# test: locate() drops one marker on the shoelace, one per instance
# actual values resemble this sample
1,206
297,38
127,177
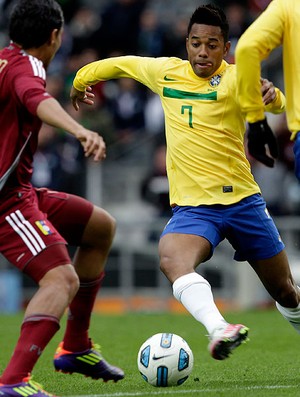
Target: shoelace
96,347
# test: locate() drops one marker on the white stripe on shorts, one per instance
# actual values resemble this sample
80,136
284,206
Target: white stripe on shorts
26,231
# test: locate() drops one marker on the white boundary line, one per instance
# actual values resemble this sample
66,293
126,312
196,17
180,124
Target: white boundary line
193,391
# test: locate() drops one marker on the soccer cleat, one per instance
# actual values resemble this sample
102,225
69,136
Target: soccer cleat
224,340
89,363
26,388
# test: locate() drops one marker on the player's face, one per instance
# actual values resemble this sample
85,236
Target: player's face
206,49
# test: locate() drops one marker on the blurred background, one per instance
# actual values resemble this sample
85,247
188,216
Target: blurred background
131,184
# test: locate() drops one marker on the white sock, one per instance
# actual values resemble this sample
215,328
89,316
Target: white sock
292,315
194,292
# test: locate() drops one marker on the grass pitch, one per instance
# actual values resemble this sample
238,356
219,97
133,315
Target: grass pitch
268,365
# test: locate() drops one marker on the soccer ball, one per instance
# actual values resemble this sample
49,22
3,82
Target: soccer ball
165,359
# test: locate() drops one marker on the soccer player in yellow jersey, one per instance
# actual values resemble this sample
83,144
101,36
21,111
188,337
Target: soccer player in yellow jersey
212,191
278,25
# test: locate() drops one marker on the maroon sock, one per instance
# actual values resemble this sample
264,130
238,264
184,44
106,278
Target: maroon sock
76,338
36,332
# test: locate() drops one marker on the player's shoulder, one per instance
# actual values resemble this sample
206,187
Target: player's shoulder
162,65
172,64
229,70
176,61
22,63
168,61
229,66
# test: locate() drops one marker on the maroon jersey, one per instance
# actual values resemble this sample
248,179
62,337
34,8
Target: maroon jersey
22,88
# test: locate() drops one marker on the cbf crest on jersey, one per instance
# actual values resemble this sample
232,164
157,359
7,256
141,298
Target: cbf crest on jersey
215,80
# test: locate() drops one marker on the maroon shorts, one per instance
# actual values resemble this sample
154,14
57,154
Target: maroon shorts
36,225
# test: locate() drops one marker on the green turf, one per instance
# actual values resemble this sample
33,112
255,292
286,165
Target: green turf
268,365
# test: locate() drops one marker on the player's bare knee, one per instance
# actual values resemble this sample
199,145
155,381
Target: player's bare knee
112,225
70,284
100,230
165,264
62,279
73,284
171,269
107,223
107,230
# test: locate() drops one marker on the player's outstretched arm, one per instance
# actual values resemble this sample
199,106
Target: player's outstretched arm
52,113
85,96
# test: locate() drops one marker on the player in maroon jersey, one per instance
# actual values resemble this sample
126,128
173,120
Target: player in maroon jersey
36,224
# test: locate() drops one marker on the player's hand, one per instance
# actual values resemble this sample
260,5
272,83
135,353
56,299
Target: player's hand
297,156
268,91
92,143
85,96
260,135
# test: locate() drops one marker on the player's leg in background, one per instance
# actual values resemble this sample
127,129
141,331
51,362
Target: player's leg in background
275,274
180,254
89,263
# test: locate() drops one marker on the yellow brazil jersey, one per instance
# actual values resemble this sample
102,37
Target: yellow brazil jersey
206,162
278,25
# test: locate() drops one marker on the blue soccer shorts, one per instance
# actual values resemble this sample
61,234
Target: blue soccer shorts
247,225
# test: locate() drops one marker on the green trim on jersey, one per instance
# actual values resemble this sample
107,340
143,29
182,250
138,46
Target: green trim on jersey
178,94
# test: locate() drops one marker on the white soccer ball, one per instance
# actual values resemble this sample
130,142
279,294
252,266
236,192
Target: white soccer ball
165,359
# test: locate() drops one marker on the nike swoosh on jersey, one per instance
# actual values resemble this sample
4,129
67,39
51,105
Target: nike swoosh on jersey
166,78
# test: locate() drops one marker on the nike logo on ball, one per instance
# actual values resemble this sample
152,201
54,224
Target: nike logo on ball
160,357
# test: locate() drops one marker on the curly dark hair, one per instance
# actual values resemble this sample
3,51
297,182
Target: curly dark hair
32,21
210,15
